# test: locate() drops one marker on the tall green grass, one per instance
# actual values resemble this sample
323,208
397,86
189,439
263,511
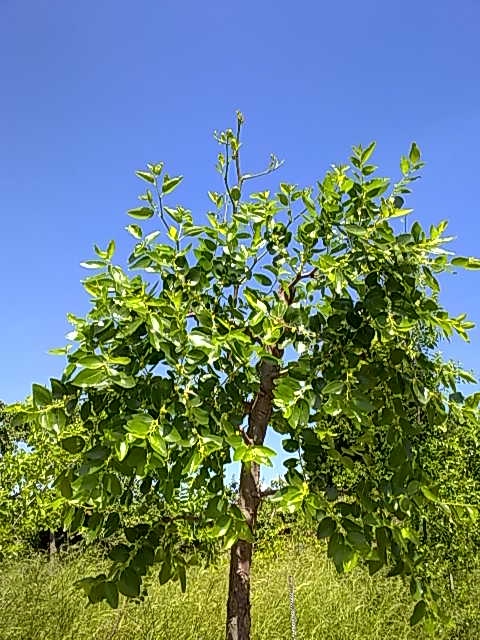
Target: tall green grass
39,602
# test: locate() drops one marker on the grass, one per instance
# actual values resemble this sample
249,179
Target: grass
38,602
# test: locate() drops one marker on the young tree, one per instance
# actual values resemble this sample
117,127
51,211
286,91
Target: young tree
298,312
30,461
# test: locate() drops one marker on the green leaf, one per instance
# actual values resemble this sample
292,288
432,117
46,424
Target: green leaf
355,230
466,263
362,402
404,165
421,393
413,487
414,154
169,184
60,351
428,493
110,249
182,576
358,540
221,526
134,230
41,396
141,213
158,445
91,362
262,279
340,553
457,397
111,594
334,387
144,175
173,233
418,613
254,302
140,425
73,444
97,453
166,573
201,341
397,356
123,380
326,528
119,553
90,378
93,264
397,456
157,168
129,583
121,449
368,152
112,484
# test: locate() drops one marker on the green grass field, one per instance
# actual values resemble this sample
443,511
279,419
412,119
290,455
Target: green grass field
39,602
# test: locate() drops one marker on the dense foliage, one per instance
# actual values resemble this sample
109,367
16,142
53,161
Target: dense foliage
31,459
305,311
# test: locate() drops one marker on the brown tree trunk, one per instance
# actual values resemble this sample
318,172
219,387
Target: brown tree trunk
249,497
238,604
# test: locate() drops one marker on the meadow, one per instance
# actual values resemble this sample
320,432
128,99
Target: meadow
39,602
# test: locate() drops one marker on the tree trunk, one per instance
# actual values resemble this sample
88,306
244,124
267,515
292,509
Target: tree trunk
249,497
238,604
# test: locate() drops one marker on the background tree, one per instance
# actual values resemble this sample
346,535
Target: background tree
30,461
297,311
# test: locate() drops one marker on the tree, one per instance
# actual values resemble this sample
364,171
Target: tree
298,312
30,461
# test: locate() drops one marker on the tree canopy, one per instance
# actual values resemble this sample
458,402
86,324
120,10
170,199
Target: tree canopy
311,311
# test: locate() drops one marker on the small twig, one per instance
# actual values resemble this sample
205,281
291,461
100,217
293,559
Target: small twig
256,260
160,202
266,172
225,178
237,153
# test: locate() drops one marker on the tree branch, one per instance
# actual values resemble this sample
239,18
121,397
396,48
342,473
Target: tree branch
240,121
225,178
270,169
268,492
289,295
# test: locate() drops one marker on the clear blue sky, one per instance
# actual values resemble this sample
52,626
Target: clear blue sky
93,90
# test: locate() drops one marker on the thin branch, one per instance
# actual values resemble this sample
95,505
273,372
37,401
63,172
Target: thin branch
162,213
237,153
225,178
266,172
289,295
295,218
268,492
256,260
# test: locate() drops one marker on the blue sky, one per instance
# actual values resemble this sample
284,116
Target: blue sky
94,90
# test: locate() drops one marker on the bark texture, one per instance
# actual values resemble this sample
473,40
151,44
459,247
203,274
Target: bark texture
238,605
